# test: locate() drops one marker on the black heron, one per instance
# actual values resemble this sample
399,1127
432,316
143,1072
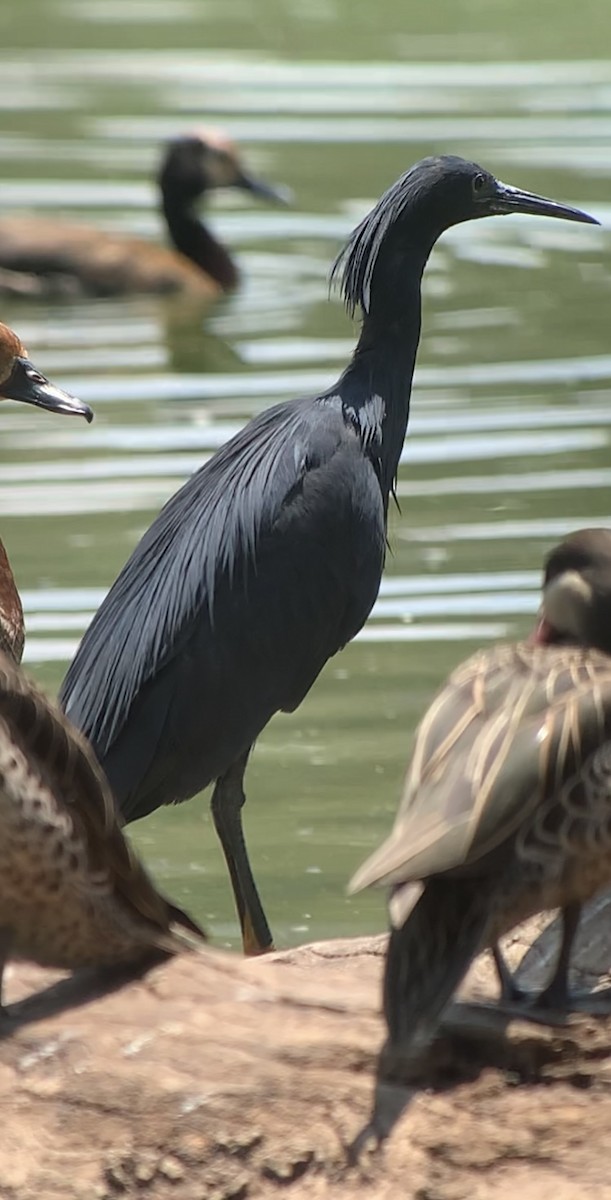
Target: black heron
268,560
506,809
40,256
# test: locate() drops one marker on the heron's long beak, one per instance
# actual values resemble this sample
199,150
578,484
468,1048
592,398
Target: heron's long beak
265,191
27,384
510,199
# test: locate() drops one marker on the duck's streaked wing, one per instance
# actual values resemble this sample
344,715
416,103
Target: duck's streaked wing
71,770
511,725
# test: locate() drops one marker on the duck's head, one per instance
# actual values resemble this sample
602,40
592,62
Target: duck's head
205,159
20,380
576,602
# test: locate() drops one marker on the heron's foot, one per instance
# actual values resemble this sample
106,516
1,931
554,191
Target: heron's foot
255,951
254,943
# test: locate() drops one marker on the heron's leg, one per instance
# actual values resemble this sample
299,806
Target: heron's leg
556,995
227,800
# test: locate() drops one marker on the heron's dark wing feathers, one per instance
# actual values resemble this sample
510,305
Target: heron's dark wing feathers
251,525
512,725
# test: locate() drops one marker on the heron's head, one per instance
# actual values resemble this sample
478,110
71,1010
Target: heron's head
405,223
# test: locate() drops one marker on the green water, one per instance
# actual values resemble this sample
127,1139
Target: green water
509,439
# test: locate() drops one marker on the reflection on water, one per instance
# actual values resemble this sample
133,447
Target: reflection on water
512,397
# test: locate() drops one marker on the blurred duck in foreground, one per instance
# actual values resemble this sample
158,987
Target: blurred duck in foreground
72,892
42,256
507,804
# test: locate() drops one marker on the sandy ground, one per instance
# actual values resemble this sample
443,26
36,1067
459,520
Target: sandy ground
211,1078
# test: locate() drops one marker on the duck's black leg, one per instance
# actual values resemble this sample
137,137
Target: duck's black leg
556,995
510,992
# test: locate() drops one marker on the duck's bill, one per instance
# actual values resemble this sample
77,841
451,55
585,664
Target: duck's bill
510,199
265,191
26,384
543,633
546,634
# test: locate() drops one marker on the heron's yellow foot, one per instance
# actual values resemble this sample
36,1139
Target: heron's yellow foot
250,942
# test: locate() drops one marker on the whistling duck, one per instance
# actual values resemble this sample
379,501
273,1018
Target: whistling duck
21,380
507,804
72,891
42,256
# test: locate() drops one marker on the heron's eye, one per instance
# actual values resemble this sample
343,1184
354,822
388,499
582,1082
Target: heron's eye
479,183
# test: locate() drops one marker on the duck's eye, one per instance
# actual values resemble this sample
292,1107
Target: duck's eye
34,375
479,183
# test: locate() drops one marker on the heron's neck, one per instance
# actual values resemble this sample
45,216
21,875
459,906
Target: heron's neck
379,378
193,239
11,612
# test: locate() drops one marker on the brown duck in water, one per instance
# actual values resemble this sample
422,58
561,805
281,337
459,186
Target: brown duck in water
507,804
45,256
72,892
